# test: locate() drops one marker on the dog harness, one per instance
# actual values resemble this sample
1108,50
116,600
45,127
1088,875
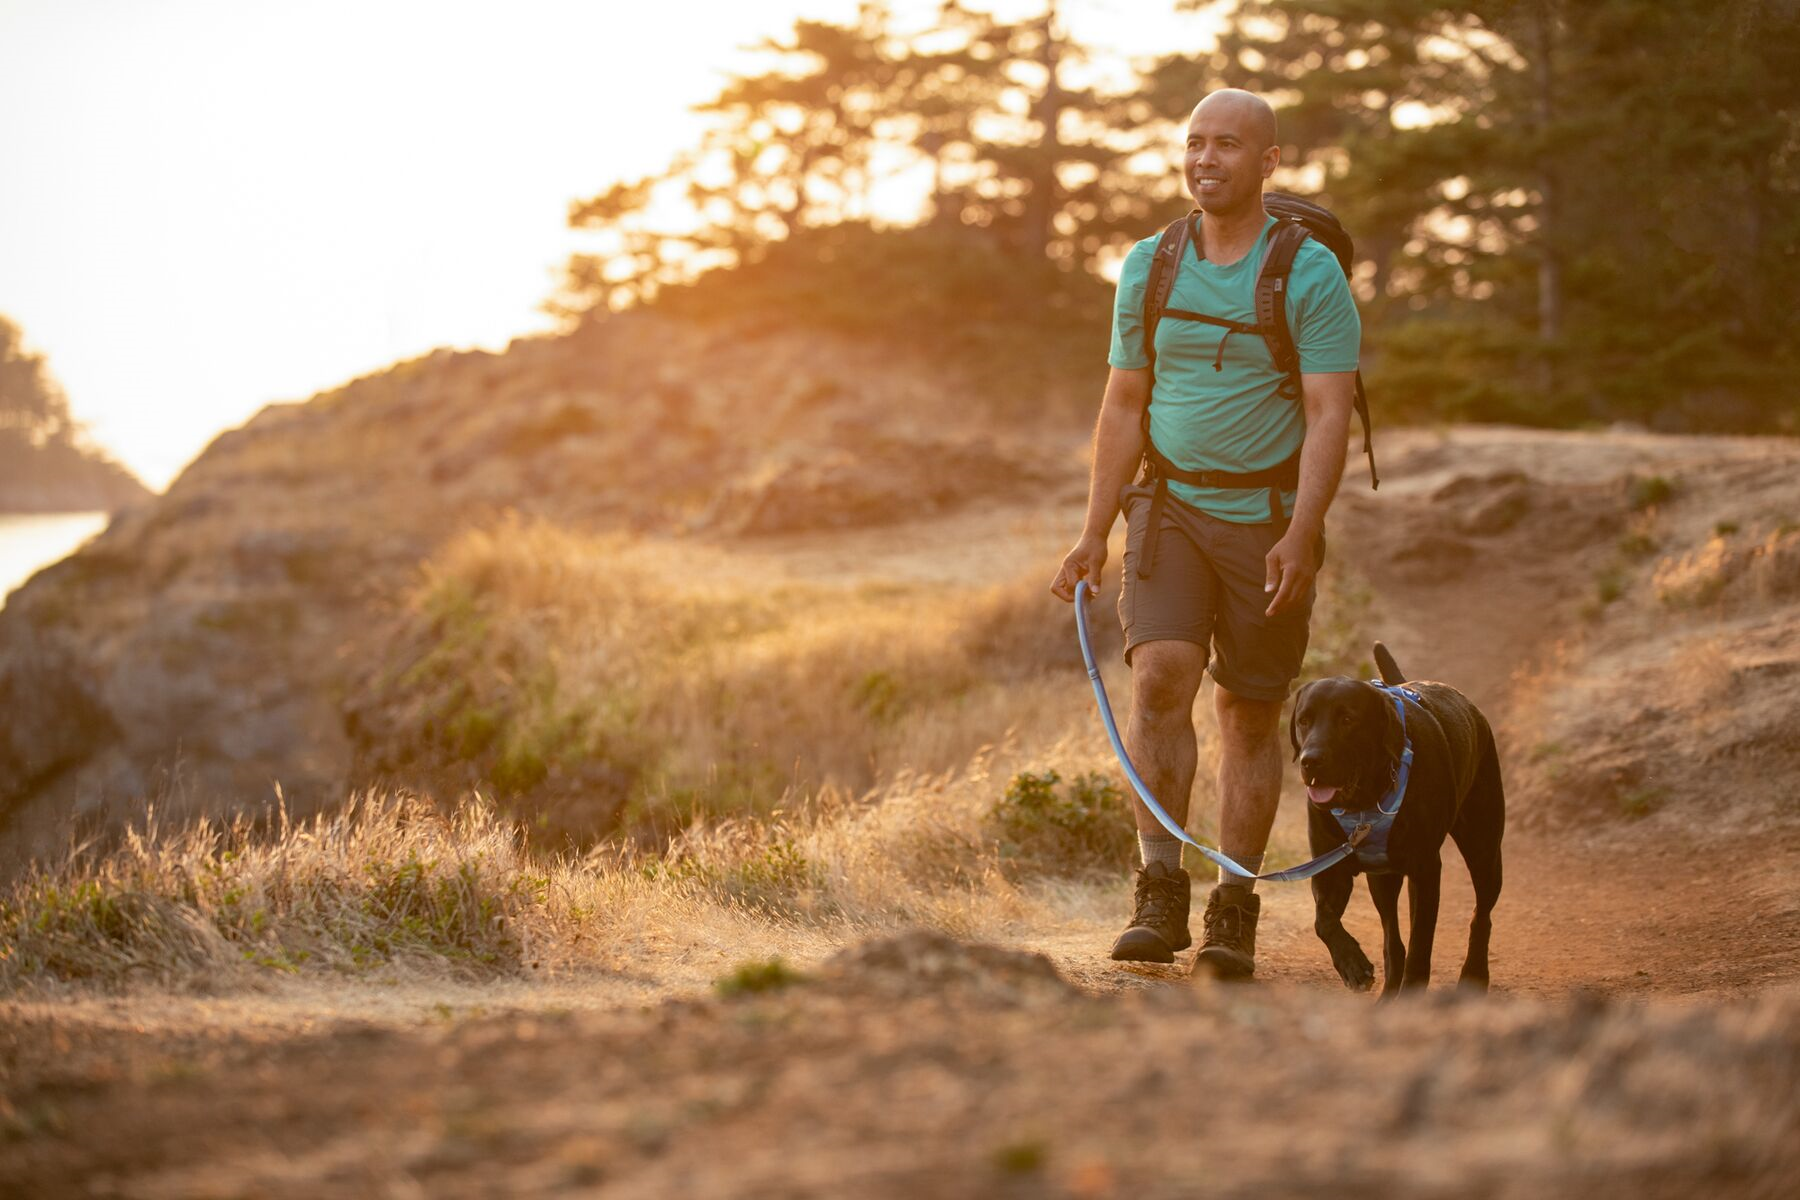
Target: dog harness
1383,814
1366,829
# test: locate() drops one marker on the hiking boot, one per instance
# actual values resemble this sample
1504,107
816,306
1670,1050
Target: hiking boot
1159,922
1228,949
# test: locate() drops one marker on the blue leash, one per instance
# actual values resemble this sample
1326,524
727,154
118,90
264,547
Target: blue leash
1293,874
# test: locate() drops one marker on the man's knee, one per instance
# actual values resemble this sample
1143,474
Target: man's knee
1244,722
1165,676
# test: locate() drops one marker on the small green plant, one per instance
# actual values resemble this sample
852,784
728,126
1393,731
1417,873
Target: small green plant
878,694
1081,826
1725,528
1637,545
472,730
771,879
762,975
1022,1157
277,960
1639,802
1648,491
1609,584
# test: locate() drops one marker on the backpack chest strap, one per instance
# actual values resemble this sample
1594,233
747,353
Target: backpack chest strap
1230,327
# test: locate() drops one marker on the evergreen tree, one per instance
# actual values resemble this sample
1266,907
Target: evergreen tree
33,407
1037,167
1570,211
1564,211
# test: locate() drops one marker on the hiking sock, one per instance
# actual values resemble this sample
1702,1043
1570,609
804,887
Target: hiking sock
1250,862
1160,848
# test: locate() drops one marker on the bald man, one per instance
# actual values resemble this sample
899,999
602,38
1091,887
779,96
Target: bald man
1232,584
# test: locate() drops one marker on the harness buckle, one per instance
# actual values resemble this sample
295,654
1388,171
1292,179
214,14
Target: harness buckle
1360,834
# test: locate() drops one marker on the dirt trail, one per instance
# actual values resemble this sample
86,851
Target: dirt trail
1480,551
1673,1068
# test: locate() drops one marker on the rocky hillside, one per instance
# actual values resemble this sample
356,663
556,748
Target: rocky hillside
203,652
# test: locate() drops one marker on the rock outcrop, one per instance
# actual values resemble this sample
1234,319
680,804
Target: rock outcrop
197,654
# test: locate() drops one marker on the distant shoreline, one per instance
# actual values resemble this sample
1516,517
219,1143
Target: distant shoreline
29,542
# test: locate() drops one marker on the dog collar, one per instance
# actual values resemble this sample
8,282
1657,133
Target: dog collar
1366,829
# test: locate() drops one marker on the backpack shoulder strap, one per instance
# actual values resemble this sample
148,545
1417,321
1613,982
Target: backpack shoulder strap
1271,316
1271,301
1163,265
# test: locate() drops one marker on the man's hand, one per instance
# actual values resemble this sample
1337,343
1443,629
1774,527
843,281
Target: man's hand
1289,568
1083,562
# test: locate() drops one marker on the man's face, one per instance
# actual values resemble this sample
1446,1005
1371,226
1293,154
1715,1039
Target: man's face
1225,162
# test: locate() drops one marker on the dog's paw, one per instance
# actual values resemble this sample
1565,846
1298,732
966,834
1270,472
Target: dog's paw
1475,984
1353,966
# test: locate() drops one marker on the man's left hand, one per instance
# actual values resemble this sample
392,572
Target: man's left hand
1290,567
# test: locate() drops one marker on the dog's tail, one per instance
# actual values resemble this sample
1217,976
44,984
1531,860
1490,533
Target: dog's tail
1390,670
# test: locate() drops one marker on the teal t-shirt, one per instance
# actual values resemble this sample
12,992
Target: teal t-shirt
1234,418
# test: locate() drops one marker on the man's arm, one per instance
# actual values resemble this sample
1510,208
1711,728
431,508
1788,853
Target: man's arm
1291,564
1118,446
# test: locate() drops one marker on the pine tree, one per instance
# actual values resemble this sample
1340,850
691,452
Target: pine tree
33,406
1571,211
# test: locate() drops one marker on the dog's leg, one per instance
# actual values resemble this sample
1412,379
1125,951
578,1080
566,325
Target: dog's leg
1422,904
1386,891
1331,896
1477,834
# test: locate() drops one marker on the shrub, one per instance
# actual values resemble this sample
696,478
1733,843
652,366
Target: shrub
768,975
1084,826
1648,491
1609,584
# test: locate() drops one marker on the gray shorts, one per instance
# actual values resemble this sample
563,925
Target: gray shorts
1207,588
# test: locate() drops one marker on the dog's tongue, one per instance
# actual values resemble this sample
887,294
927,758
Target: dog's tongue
1321,795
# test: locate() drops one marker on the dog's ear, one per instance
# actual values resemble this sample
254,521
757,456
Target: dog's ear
1294,715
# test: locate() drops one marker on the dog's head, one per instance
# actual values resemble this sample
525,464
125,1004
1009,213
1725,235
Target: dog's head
1347,739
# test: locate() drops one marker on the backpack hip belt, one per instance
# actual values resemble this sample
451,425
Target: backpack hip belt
1158,471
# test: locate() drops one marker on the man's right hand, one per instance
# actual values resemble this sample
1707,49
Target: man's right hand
1083,562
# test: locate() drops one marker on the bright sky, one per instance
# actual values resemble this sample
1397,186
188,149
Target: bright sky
209,205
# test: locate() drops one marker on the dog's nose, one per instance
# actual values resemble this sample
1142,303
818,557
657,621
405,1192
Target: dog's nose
1309,762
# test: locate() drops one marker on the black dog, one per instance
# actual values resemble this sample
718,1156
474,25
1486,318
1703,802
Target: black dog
1349,739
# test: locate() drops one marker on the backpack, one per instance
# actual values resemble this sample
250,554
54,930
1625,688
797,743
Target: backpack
1295,221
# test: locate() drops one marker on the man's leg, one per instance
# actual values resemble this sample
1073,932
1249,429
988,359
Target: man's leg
1165,678
1257,660
1249,778
1249,789
1159,737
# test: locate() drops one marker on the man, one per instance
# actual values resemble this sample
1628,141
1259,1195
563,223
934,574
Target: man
1229,571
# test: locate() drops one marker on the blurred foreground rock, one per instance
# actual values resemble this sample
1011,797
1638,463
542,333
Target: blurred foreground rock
851,1085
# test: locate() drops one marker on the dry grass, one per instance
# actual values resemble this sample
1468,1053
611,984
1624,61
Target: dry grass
589,687
384,880
804,763
534,654
1728,567
393,883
